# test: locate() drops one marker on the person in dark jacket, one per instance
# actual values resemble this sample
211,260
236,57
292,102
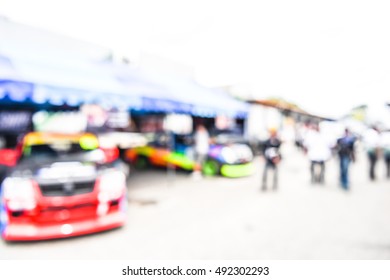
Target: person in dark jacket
346,152
272,156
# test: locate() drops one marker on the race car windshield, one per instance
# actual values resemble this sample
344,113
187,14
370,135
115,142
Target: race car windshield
53,151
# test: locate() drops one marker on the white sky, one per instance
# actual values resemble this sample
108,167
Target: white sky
326,56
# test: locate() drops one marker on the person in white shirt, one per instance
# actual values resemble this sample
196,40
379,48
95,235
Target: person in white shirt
318,150
202,141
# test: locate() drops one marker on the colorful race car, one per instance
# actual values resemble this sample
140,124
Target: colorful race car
229,160
59,186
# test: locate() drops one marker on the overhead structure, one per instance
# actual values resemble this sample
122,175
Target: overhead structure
53,81
43,68
288,107
59,82
167,92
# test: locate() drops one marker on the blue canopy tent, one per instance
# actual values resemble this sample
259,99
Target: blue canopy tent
42,80
162,91
155,98
205,102
59,82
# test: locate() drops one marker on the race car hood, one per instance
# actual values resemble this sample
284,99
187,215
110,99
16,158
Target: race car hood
56,171
74,167
60,178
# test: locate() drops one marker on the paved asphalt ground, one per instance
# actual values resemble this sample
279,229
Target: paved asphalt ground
221,218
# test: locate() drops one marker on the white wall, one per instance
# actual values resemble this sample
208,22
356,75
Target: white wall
260,120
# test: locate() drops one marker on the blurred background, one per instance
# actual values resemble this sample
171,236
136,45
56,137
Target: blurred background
245,129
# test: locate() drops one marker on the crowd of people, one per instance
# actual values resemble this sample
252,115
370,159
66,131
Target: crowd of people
320,148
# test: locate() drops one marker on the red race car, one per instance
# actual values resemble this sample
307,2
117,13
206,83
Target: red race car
58,186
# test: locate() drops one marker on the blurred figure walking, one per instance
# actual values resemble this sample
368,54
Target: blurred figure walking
272,156
346,152
371,141
385,144
318,150
300,135
202,141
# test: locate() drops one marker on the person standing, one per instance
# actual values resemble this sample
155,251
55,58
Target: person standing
371,142
272,156
385,144
346,152
318,150
202,140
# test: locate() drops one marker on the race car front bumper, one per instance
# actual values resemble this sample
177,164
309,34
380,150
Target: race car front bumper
30,232
237,170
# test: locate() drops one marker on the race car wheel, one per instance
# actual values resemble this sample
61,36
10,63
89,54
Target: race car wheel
211,168
141,162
